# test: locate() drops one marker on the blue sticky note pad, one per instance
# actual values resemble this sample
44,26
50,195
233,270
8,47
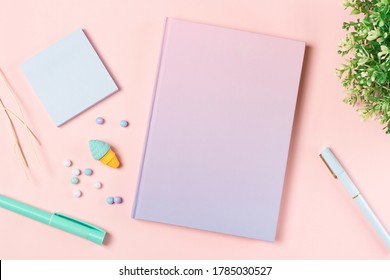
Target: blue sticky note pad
69,77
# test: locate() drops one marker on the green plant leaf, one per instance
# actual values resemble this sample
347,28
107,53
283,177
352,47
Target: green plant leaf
366,49
355,12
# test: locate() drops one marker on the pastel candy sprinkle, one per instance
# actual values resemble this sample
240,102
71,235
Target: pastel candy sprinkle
124,123
88,171
74,180
97,185
118,200
76,172
67,163
99,120
77,193
110,200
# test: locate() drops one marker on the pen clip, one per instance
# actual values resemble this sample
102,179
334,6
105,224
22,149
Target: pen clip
327,165
78,222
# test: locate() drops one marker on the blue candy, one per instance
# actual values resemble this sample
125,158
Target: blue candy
88,171
110,200
124,123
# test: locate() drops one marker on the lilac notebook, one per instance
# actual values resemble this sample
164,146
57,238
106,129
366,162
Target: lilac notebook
219,134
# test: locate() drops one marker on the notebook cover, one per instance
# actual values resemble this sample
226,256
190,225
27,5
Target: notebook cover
68,77
219,133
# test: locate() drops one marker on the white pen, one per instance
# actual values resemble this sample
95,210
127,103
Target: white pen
339,173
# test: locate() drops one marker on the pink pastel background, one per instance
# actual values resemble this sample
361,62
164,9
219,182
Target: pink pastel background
317,219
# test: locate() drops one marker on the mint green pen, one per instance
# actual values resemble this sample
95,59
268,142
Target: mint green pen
56,220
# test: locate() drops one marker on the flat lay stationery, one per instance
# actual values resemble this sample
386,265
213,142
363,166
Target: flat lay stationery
192,131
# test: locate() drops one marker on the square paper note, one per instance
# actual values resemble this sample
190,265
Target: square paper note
69,77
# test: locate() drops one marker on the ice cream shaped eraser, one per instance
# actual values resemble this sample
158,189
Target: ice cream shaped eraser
102,151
